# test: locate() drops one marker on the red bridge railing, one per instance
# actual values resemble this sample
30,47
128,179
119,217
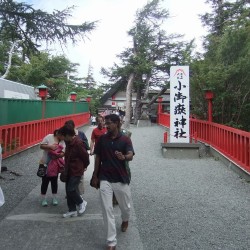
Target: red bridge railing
20,136
232,143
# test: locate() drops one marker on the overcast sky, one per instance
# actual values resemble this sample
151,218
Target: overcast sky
115,19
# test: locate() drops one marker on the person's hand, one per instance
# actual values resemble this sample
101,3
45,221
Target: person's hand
84,169
60,155
53,147
91,152
120,155
94,182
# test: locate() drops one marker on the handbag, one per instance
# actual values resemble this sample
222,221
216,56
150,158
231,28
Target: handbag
42,170
64,176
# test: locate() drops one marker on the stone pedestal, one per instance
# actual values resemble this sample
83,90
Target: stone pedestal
181,150
143,123
144,120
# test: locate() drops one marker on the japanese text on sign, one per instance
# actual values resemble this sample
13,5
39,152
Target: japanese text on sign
179,104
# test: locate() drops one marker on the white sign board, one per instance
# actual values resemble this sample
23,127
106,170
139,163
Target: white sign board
179,104
15,95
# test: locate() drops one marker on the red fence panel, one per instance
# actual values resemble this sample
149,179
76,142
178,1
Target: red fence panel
20,136
231,142
164,119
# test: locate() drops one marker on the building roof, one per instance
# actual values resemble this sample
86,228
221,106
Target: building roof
113,90
10,89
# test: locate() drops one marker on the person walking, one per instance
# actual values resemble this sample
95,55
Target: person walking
76,162
96,133
52,144
93,120
84,139
112,151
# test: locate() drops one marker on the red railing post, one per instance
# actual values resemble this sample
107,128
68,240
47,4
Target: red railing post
209,95
159,109
195,137
210,116
165,139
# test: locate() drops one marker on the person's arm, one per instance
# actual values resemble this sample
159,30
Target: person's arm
48,147
92,144
45,144
128,156
97,165
125,157
84,156
95,182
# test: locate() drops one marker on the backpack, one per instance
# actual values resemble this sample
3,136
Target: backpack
84,139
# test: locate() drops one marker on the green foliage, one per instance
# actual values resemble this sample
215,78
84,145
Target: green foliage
49,70
88,81
96,95
225,66
21,22
26,28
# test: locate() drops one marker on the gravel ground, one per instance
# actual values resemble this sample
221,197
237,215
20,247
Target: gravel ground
179,204
20,178
186,204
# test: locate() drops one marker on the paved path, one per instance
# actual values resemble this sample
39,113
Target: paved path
177,204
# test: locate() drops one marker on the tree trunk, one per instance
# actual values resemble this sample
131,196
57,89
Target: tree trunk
128,101
138,105
9,61
147,87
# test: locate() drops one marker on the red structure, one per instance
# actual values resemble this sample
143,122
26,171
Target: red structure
209,95
88,98
232,143
73,96
159,107
20,136
43,92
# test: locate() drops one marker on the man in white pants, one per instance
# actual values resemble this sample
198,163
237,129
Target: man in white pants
112,151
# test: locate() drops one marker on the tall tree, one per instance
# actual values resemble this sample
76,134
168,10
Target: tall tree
224,67
89,81
26,28
152,53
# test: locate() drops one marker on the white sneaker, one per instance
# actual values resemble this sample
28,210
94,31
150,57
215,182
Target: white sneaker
70,214
82,207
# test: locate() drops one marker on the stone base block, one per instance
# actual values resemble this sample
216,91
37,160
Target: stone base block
143,123
181,150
